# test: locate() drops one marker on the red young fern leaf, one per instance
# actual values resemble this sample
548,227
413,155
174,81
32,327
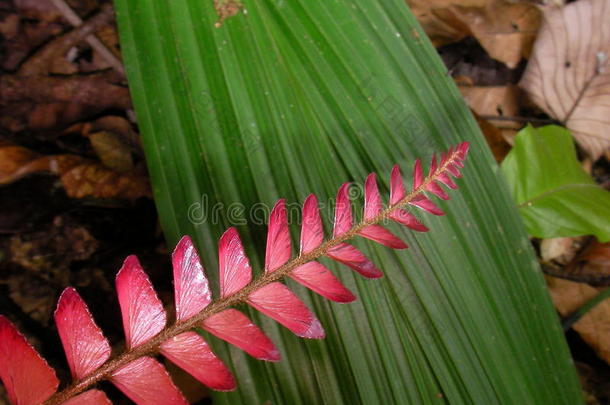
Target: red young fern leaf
91,397
234,266
278,238
83,341
29,379
191,290
237,329
146,382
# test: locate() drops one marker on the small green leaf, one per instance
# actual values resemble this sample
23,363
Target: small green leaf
555,196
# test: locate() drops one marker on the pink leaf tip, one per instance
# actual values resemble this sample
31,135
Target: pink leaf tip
191,288
83,341
191,353
312,232
397,188
278,238
372,199
234,266
26,375
142,311
277,302
237,329
343,211
146,382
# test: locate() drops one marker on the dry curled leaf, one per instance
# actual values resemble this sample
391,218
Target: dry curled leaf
594,326
42,102
592,263
505,29
560,250
80,177
568,75
437,20
498,145
495,101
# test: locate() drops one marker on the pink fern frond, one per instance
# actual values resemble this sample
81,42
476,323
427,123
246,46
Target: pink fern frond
234,266
278,238
343,212
446,180
407,219
142,311
312,232
454,170
355,259
373,206
321,280
27,377
423,202
381,235
236,328
437,190
91,397
146,382
397,187
279,303
418,175
191,288
191,353
84,343
372,199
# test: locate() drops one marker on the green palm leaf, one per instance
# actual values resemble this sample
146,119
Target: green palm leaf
291,97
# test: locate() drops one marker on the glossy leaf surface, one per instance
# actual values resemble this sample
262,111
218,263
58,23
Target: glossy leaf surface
191,288
84,343
146,382
20,364
142,311
190,352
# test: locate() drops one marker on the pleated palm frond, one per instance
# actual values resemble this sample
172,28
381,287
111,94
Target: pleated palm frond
287,97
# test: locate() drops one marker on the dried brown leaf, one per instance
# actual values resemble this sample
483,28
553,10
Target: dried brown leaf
498,145
594,326
505,29
42,102
80,177
113,153
568,75
495,101
593,262
91,179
